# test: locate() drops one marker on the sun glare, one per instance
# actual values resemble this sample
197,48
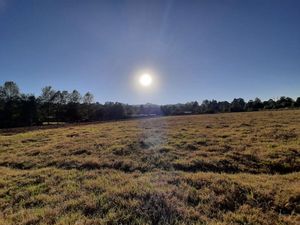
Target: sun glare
145,80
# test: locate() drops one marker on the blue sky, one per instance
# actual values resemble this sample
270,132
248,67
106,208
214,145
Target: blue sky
196,49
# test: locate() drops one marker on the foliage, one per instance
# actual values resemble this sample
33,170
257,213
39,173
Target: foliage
51,106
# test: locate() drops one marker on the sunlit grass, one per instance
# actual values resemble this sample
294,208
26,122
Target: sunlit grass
238,168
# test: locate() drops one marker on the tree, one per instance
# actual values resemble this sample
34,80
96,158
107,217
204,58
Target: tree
195,107
87,100
10,90
18,109
257,104
29,111
204,107
213,106
73,112
64,97
2,94
114,111
237,105
270,104
48,94
284,102
254,105
224,106
75,97
297,103
47,99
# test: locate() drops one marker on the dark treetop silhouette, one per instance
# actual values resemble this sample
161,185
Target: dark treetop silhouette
18,109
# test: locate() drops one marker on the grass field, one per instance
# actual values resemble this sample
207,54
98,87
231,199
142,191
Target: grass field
237,168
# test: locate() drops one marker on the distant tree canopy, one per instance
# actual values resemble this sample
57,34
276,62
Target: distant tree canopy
19,109
237,105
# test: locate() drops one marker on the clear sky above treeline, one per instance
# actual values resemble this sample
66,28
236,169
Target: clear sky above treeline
202,49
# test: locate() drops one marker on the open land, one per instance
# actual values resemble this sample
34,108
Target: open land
234,168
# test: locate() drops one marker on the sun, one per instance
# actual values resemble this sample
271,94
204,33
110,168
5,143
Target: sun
145,80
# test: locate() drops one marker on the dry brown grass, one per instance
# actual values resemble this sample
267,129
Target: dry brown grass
238,168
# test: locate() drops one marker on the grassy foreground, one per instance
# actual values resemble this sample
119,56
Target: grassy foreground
238,168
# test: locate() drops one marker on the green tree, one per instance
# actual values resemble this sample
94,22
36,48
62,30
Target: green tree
47,99
297,103
9,90
237,105
87,100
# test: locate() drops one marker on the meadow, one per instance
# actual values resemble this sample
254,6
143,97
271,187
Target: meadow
232,168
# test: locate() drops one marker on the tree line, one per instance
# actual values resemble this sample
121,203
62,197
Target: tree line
237,105
51,106
18,109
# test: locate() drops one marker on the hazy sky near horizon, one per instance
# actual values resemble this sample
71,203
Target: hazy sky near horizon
195,49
